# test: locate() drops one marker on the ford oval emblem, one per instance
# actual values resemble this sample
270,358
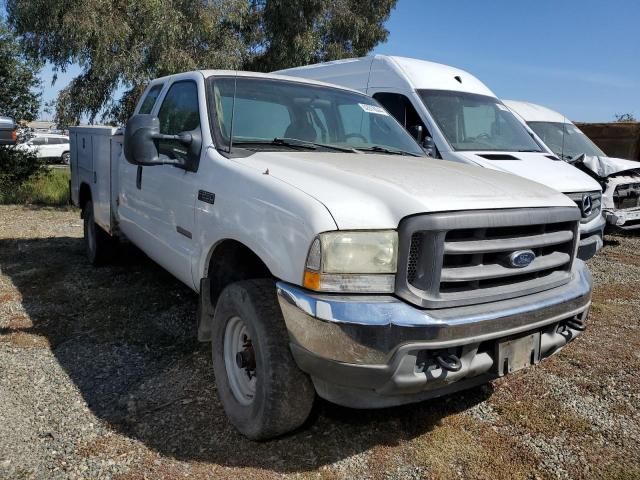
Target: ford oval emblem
521,258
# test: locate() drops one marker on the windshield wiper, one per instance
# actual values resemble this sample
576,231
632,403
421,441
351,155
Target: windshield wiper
294,142
391,151
529,150
279,142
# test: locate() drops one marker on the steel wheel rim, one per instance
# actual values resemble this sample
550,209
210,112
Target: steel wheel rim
242,381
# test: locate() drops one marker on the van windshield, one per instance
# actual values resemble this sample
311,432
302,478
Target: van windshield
477,122
565,139
270,114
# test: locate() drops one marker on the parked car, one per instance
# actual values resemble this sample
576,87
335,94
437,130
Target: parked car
458,118
620,179
7,131
50,146
330,254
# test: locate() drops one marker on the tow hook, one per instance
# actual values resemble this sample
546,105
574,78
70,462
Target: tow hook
576,324
449,362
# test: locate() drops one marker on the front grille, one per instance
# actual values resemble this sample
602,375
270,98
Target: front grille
596,204
461,258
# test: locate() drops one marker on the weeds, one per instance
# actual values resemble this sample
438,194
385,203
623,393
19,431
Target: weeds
51,188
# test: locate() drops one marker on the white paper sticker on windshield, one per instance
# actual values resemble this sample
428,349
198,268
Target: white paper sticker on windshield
373,109
502,107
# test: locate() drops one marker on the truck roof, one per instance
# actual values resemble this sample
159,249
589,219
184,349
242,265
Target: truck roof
532,112
415,73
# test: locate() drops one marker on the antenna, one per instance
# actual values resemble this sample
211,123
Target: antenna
235,88
233,110
564,132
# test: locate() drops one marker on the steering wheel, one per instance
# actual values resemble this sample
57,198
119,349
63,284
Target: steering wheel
356,135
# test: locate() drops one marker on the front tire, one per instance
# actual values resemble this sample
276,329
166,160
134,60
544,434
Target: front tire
262,390
98,244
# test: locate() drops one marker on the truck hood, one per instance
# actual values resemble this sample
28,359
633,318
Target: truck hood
371,191
536,166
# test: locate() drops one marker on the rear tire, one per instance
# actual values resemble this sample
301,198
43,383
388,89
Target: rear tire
65,159
270,395
99,245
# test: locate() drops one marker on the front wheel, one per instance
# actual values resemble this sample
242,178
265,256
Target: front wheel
98,244
262,390
65,159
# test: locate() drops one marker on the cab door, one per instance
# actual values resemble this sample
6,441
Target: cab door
167,192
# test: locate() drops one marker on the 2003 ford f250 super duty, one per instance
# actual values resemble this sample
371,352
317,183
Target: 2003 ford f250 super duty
331,255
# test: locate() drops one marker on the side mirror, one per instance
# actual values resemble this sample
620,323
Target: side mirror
8,134
429,146
141,144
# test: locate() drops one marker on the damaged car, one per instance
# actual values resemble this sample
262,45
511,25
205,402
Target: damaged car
619,178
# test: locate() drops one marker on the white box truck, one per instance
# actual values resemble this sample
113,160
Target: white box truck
619,178
458,118
332,257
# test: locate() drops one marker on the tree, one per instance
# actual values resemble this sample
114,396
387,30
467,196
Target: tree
19,82
124,44
624,117
19,99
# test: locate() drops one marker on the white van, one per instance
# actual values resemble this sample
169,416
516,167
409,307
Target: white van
620,179
456,117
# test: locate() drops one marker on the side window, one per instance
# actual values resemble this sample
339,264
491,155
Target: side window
150,99
38,141
179,113
402,109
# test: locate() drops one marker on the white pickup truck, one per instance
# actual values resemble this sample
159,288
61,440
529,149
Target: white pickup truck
331,256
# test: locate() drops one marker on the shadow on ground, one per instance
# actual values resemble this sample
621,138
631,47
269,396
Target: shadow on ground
125,334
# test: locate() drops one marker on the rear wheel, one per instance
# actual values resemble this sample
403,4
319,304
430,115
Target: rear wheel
65,158
98,244
261,388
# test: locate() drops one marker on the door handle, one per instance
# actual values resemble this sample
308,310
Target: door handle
139,178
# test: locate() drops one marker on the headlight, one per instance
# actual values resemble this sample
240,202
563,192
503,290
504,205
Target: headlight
361,261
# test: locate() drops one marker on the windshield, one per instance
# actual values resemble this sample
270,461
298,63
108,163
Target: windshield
273,114
477,122
565,139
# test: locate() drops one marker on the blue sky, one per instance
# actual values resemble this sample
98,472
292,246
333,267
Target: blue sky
580,57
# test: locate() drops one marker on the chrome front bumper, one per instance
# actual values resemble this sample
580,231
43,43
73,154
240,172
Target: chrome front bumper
366,351
591,237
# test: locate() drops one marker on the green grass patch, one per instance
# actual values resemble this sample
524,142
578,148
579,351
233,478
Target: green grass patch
51,189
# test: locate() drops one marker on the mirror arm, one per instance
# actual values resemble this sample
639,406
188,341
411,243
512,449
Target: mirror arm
184,138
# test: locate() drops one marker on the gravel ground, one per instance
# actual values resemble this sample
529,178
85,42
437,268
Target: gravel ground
101,377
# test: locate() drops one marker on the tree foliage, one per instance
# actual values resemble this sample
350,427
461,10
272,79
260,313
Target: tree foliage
19,99
19,82
123,44
624,117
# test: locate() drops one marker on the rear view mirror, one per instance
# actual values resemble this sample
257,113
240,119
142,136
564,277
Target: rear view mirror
141,143
8,134
140,146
